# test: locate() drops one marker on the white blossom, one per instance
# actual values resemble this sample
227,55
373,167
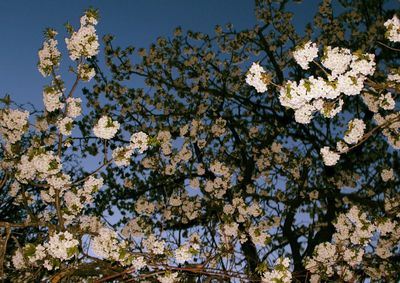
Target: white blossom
355,131
330,157
281,272
254,78
13,124
65,126
84,42
393,29
74,107
106,128
336,59
49,56
62,245
139,141
305,54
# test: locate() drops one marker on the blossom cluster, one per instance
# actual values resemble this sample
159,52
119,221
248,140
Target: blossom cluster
49,55
60,246
305,54
13,124
329,157
74,108
52,95
280,273
355,131
107,245
347,75
37,164
393,29
186,252
342,257
392,131
106,128
84,42
255,78
122,155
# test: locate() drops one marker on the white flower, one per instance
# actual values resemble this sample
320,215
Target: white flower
183,254
350,84
336,59
280,273
18,260
84,42
106,244
154,246
49,56
168,277
230,229
355,131
363,64
138,263
330,157
74,107
51,98
387,102
13,124
305,54
85,72
254,78
303,115
106,128
62,245
140,141
393,29
65,126
122,155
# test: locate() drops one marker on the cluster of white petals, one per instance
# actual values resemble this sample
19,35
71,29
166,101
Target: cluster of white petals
85,72
336,60
139,141
392,131
329,157
51,98
386,101
355,131
154,246
65,126
74,108
393,29
254,78
107,245
49,56
37,164
62,245
18,259
13,124
305,54
281,272
84,42
106,128
122,155
348,73
168,277
185,252
354,232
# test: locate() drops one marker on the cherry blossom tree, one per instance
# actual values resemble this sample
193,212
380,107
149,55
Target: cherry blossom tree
262,155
